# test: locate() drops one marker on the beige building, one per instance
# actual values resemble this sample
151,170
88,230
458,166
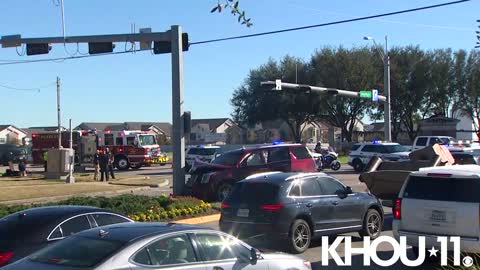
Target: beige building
11,135
215,131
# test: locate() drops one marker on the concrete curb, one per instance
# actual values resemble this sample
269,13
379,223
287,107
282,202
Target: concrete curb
64,197
165,183
199,220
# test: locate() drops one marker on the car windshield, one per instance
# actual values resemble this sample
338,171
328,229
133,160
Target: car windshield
147,139
77,251
229,159
394,148
254,192
443,189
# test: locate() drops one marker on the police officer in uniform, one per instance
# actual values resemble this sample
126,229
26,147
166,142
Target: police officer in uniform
103,162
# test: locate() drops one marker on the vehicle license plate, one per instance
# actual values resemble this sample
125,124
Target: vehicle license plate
243,212
439,216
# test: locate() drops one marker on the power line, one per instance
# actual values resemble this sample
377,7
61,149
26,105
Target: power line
36,89
331,23
253,35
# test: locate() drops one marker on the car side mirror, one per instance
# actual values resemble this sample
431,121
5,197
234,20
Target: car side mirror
217,155
341,193
349,190
254,254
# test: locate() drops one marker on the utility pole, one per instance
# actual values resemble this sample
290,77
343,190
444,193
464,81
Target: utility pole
58,114
388,124
177,111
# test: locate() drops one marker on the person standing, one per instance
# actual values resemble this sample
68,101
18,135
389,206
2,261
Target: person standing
96,160
22,167
10,158
110,163
103,162
45,159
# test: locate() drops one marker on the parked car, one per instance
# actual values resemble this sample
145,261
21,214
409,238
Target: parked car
27,231
440,201
16,151
424,141
293,208
361,153
203,153
215,180
155,246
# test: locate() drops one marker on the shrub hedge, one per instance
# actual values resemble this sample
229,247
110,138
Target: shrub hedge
137,207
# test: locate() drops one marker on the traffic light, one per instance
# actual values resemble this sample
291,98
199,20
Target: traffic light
100,47
187,122
38,48
160,47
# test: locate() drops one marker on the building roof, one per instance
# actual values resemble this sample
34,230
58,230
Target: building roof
213,123
165,127
31,130
2,127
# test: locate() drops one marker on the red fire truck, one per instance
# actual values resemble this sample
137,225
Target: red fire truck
131,149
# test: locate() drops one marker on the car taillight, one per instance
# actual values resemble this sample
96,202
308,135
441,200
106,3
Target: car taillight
5,256
397,209
272,207
225,205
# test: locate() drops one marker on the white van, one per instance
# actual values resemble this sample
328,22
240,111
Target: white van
424,141
440,201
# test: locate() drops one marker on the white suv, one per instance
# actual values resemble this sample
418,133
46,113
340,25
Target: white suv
361,153
203,153
440,201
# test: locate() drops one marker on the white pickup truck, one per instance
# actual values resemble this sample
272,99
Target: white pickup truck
424,141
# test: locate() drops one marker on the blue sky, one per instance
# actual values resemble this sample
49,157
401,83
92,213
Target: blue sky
137,87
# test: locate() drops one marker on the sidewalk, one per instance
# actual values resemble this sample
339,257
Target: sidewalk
43,193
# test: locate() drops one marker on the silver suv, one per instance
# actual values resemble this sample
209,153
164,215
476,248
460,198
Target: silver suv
440,201
361,153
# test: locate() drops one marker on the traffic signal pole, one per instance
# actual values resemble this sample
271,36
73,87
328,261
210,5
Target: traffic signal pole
276,86
172,41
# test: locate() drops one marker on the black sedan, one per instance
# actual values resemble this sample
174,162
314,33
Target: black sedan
296,207
27,231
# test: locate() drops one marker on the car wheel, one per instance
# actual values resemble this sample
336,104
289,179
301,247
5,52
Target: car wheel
358,165
122,163
299,237
372,224
335,165
223,190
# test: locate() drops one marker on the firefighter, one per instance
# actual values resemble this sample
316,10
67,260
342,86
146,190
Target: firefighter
45,159
110,163
96,160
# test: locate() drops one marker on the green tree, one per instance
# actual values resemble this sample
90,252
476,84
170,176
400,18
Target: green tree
470,95
349,69
253,104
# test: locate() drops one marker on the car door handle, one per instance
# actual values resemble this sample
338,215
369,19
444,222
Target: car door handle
335,203
217,268
309,205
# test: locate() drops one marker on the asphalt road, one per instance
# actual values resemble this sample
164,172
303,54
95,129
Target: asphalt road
346,175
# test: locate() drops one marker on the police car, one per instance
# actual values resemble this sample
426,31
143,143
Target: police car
361,153
205,153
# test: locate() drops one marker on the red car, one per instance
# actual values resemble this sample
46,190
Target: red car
214,181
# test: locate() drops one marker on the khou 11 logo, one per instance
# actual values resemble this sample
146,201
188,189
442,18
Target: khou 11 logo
369,251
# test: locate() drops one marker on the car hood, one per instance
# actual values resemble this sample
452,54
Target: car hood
285,258
202,167
398,154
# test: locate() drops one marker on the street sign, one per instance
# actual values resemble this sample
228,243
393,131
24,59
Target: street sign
374,95
278,84
366,94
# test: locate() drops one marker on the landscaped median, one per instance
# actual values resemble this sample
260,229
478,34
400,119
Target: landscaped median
137,207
